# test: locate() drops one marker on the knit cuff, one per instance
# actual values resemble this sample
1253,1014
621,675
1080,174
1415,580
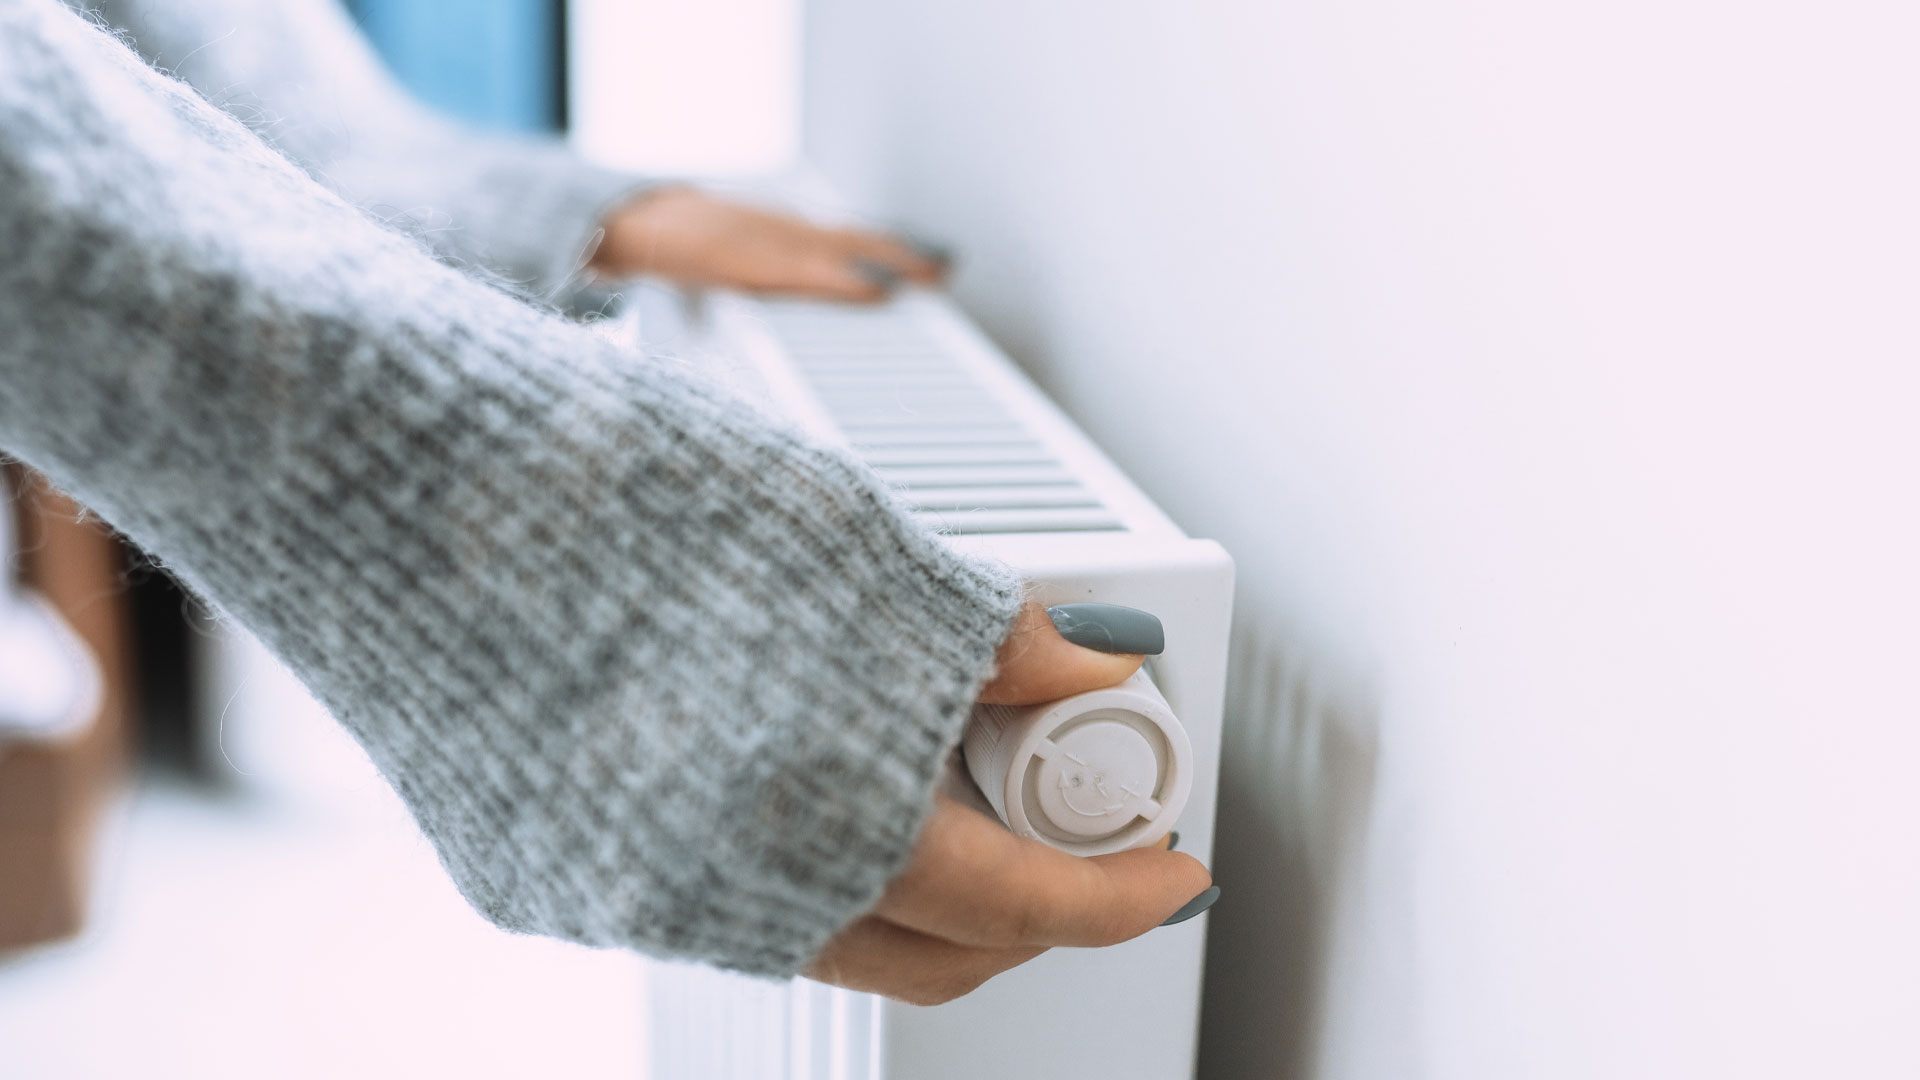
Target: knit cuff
523,210
565,223
539,212
654,672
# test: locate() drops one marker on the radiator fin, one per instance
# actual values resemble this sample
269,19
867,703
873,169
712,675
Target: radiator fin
929,427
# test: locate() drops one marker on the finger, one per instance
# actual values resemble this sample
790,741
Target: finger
1036,664
820,275
891,251
880,261
878,957
971,881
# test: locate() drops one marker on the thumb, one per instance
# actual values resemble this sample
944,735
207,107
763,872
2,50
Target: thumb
1038,663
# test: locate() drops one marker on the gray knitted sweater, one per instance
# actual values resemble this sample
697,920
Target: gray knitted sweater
525,209
649,669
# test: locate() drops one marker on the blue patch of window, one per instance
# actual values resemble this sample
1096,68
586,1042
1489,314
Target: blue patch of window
496,63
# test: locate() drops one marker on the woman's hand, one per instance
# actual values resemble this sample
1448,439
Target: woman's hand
694,238
976,900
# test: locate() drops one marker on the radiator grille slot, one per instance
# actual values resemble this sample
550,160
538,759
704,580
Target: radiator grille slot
929,427
1054,496
918,477
921,434
1021,453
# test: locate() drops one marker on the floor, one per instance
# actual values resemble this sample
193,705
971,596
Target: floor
298,926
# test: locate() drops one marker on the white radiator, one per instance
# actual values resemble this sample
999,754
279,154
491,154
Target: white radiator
986,459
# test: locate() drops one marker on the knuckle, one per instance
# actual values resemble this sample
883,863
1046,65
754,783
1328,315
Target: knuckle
1113,925
1017,925
1031,923
925,994
929,997
958,986
1114,928
945,986
962,987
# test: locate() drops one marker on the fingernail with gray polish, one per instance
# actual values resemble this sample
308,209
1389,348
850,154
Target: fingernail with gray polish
1194,906
1173,840
878,273
1109,628
928,250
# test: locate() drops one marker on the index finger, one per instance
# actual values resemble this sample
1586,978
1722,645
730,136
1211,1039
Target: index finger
973,882
859,243
1035,664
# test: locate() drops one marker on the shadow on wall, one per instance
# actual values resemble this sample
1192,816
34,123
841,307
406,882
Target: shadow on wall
1297,785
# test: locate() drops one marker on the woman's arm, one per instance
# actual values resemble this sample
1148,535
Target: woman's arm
522,207
647,670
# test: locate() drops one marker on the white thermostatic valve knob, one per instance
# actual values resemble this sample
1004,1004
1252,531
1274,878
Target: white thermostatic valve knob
1091,774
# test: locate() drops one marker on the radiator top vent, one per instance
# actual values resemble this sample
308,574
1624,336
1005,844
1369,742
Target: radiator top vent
929,426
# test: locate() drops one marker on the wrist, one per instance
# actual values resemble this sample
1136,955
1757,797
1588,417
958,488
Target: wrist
632,232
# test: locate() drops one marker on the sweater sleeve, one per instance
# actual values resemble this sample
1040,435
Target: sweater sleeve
648,670
526,209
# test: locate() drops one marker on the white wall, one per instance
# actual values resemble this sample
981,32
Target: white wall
674,87
1549,369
